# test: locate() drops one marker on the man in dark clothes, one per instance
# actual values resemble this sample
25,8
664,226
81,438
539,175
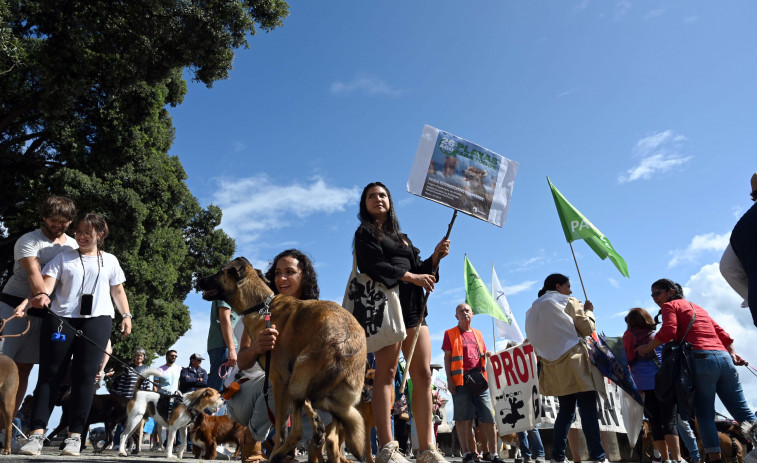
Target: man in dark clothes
744,245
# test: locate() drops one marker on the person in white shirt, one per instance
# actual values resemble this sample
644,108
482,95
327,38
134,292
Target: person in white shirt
78,287
30,253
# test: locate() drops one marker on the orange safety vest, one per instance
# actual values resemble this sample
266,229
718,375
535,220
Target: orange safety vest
456,362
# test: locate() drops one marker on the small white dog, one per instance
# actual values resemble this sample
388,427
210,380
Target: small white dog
182,412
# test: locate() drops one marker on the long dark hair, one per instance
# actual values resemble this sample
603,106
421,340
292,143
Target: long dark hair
640,318
667,285
309,278
552,281
391,227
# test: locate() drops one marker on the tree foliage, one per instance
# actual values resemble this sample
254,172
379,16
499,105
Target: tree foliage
84,91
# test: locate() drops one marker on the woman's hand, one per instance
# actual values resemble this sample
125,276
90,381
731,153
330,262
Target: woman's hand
441,250
40,301
588,306
738,360
423,280
20,311
266,339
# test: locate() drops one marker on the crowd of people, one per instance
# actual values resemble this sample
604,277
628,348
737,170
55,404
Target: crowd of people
65,285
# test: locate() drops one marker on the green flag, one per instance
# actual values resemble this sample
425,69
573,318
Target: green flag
578,227
478,297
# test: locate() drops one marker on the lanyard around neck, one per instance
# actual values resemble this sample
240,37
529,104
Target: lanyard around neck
84,272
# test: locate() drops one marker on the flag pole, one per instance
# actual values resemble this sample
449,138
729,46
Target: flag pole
494,335
423,314
578,270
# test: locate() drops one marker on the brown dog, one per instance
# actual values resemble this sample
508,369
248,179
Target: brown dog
210,430
318,361
8,389
365,407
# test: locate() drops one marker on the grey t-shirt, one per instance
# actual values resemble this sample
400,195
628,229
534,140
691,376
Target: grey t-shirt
33,244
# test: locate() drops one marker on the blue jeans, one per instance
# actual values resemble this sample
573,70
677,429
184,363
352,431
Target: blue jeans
587,408
715,373
689,439
530,445
216,356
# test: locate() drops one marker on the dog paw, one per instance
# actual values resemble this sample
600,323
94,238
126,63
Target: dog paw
749,430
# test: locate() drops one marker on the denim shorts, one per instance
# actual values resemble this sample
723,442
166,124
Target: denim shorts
467,406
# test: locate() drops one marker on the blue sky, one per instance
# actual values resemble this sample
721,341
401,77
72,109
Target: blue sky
641,113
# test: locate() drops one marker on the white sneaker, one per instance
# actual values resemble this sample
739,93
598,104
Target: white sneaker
72,446
431,455
390,453
34,445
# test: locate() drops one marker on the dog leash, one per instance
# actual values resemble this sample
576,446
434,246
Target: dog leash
266,313
4,321
80,334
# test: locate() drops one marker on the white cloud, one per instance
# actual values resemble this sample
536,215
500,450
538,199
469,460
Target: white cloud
708,289
613,282
239,146
519,288
659,152
691,19
256,205
700,244
621,8
365,84
656,13
566,93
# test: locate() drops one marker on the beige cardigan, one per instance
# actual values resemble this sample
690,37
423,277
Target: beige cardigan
573,372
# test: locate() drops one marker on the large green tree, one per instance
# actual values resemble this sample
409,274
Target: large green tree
85,87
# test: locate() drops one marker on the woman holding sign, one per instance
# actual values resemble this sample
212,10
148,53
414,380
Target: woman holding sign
555,325
388,256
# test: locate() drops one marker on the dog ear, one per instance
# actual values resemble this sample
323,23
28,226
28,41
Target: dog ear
238,268
261,275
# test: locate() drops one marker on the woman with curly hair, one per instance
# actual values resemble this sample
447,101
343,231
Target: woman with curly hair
291,273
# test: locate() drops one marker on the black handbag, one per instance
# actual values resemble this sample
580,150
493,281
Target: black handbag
674,380
474,379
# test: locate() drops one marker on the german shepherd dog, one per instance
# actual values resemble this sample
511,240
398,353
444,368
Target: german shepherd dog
318,361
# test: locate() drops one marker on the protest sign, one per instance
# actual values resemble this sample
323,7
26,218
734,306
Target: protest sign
514,388
462,175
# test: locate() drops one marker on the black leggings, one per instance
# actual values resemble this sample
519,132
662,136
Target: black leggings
53,363
662,416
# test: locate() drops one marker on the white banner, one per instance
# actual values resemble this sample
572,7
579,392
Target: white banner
608,410
462,175
509,329
514,388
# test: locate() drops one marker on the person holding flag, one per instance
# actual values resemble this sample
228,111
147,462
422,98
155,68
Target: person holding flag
555,325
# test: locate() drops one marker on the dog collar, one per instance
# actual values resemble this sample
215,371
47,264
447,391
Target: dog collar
262,308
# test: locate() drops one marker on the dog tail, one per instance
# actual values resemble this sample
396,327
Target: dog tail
350,419
142,377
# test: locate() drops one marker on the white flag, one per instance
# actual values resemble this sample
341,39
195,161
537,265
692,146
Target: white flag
507,330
